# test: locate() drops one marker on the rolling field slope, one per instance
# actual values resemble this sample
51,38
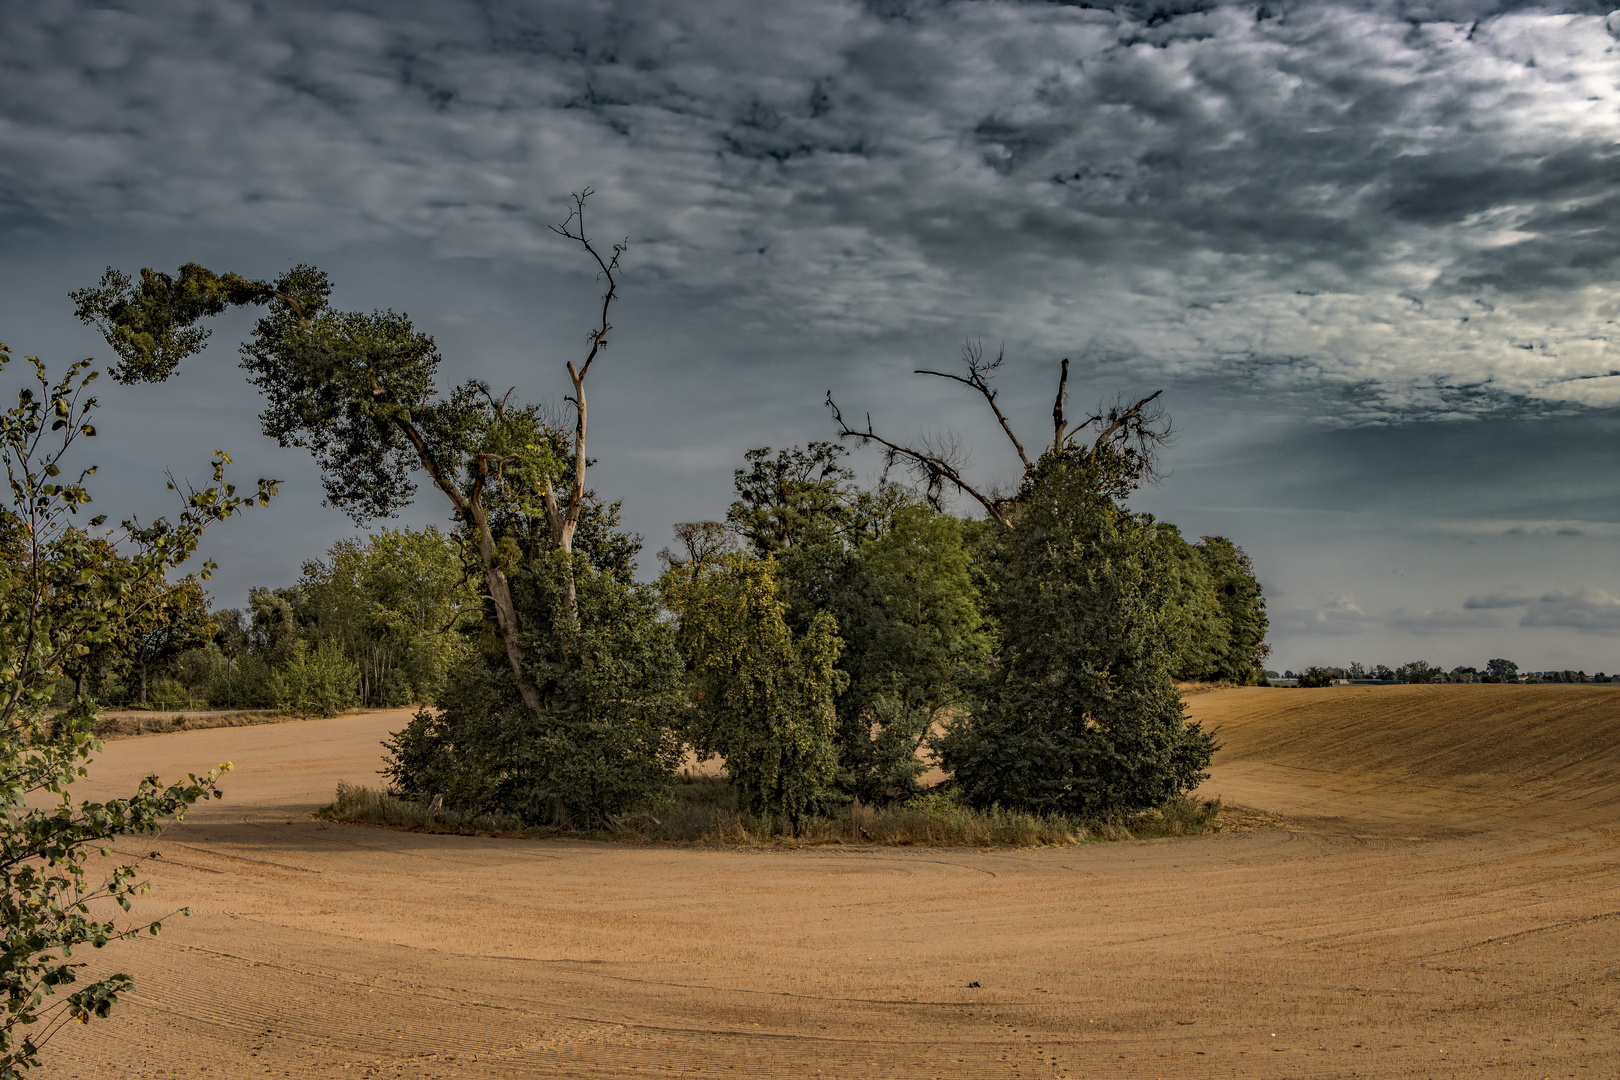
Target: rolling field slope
1466,755
1437,894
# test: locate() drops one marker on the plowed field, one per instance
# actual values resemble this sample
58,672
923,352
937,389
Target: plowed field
1427,885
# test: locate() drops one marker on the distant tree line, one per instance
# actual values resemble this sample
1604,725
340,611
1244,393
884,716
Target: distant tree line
1420,671
377,622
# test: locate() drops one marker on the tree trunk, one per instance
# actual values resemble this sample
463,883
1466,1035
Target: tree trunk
143,680
500,593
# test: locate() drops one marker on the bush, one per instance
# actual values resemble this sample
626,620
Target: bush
167,694
603,740
764,696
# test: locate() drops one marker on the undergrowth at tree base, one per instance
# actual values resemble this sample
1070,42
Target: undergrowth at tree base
703,810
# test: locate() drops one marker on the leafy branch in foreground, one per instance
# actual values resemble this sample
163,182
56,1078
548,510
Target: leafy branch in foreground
60,596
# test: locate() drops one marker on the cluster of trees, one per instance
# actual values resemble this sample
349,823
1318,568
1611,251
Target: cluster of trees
1421,671
817,640
377,622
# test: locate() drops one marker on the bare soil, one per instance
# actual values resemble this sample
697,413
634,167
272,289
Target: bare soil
1416,881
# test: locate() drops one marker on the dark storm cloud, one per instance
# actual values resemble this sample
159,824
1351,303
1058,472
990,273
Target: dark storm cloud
1407,200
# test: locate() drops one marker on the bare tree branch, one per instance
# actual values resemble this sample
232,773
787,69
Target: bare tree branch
934,469
979,376
563,521
1134,430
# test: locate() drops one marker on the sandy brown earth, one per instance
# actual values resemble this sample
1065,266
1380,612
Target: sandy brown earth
1432,890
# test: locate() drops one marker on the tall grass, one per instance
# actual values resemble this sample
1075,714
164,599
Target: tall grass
703,810
364,806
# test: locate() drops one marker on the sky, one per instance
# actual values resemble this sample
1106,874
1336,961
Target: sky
1368,251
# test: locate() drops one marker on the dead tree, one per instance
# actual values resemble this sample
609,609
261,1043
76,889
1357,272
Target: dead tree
563,520
1135,431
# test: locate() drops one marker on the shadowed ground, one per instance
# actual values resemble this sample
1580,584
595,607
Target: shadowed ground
1430,888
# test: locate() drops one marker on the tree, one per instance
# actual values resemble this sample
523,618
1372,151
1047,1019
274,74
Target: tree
763,695
783,500
898,578
358,391
1505,670
395,601
49,903
1316,677
1418,671
914,638
1243,604
701,542
173,618
1079,714
1196,625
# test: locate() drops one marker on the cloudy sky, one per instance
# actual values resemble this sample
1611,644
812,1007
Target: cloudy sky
1368,251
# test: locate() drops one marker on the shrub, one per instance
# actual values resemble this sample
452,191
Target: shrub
167,694
603,740
246,684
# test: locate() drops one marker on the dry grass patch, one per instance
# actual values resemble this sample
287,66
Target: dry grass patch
703,810
123,725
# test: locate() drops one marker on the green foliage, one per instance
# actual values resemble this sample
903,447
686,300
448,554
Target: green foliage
1080,716
336,383
1195,622
604,739
317,681
244,683
1418,671
395,603
1244,605
170,619
898,578
50,905
764,696
915,635
1505,670
151,326
1316,677
787,499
